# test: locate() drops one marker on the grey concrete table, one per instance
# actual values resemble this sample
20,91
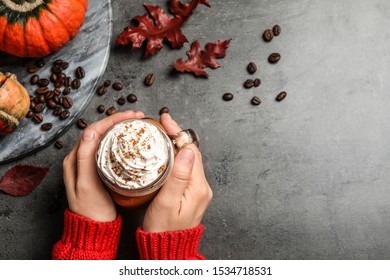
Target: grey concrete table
307,178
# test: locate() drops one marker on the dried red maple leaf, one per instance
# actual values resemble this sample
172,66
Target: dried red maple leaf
22,179
157,26
199,59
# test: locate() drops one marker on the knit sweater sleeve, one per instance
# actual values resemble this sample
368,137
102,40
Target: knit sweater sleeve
86,239
171,245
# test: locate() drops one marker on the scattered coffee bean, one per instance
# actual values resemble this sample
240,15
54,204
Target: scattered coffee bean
80,72
164,110
41,99
256,82
51,104
252,68
49,95
58,62
274,57
268,35
43,82
64,114
121,101
53,77
76,83
256,101
82,123
281,96
107,83
249,83
57,111
64,65
66,91
227,96
101,90
59,83
101,109
67,102
29,114
42,90
46,126
59,144
276,30
56,69
39,108
110,111
149,79
131,98
34,79
62,76
57,91
117,86
32,69
68,82
37,118
32,104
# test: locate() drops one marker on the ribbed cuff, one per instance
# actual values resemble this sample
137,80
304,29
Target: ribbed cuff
84,238
171,245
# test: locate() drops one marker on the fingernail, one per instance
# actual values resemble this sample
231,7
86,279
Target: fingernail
187,156
169,116
88,135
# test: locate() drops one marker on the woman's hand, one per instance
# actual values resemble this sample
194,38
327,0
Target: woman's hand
84,189
183,200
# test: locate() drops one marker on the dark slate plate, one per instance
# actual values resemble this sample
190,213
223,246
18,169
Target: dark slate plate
89,49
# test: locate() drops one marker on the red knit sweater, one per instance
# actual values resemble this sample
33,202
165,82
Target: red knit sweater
85,239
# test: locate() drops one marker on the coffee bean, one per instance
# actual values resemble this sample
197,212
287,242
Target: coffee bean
56,69
164,110
59,144
29,114
281,96
256,82
268,35
121,101
32,69
68,82
53,77
248,83
40,63
227,96
57,111
101,90
251,68
274,57
49,95
256,101
39,108
131,98
67,102
117,86
64,114
76,83
41,99
43,82
64,65
46,126
80,72
276,30
57,91
58,62
62,76
82,123
51,104
107,83
101,109
66,91
42,90
37,118
56,99
149,79
110,111
32,104
34,79
59,83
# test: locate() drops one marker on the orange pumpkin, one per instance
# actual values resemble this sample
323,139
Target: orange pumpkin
35,28
14,103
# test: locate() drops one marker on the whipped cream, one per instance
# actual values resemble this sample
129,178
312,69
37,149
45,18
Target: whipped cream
133,154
